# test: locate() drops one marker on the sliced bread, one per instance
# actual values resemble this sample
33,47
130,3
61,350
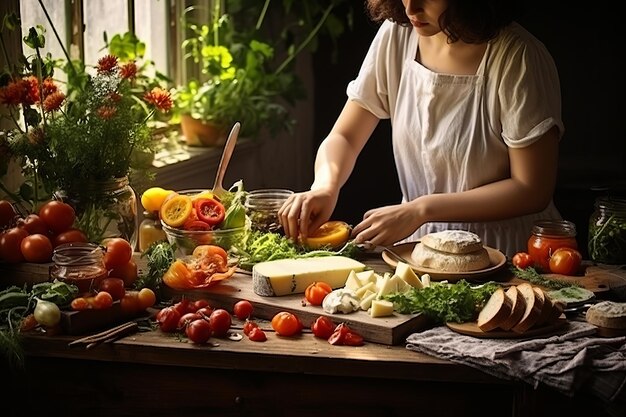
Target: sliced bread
496,310
556,311
517,310
533,308
546,306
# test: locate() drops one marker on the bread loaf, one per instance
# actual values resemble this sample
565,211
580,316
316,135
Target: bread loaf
546,306
425,256
497,309
533,308
607,314
556,311
518,306
453,241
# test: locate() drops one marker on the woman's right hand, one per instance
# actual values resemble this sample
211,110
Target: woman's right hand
305,212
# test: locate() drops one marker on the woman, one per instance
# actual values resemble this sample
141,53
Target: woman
475,108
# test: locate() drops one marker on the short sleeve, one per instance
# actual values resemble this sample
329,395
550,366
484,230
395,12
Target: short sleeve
529,91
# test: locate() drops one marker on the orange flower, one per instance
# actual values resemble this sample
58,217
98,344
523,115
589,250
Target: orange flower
159,98
107,65
129,70
49,87
11,94
53,101
30,90
107,112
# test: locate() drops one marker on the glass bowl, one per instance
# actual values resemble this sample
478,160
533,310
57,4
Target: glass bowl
262,207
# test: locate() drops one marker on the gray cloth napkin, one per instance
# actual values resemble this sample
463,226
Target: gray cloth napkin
566,361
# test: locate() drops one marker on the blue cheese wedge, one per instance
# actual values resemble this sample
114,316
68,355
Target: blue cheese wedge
342,300
292,276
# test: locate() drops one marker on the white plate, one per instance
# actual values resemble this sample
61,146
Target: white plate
497,261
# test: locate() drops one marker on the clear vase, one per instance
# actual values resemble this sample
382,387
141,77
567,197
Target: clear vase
105,209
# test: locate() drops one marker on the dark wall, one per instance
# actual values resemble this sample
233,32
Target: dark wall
586,45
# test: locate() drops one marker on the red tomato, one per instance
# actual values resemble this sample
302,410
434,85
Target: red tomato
257,335
80,303
118,253
323,327
248,326
196,225
565,261
220,322
522,260
10,245
7,214
339,335
210,211
186,319
185,306
198,331
243,309
34,225
36,248
168,318
205,312
316,292
285,323
127,272
130,303
201,303
59,216
353,339
114,286
70,236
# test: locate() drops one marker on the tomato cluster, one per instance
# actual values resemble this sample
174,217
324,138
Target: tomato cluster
564,261
33,238
324,328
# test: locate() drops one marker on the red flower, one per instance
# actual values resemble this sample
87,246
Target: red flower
159,98
49,87
107,65
30,90
53,101
129,70
11,94
107,112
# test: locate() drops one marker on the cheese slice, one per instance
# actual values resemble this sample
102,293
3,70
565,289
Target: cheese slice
366,301
381,308
353,282
404,271
292,276
367,276
369,287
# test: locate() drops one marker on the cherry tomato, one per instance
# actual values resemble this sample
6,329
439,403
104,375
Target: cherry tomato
323,327
10,245
130,303
7,214
257,335
118,253
80,303
36,248
220,322
198,331
127,272
201,303
205,312
316,292
146,297
102,300
186,319
285,323
565,261
243,309
185,306
210,211
34,225
70,236
114,286
168,318
248,326
59,216
522,260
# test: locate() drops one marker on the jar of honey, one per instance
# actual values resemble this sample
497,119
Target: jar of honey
150,231
80,264
547,236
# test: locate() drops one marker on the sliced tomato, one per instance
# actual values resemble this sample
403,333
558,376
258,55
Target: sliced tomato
207,266
197,225
178,276
210,211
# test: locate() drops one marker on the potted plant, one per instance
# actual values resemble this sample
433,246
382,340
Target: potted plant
246,69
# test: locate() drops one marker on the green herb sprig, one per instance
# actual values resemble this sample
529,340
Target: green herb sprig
531,275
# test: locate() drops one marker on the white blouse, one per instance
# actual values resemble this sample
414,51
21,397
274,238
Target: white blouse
451,133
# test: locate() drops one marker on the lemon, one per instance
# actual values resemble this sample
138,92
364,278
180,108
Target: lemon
331,234
152,199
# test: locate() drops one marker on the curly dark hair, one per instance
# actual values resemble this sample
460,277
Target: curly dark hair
471,21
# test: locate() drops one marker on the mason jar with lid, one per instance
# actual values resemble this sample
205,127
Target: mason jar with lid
262,208
546,237
80,264
607,231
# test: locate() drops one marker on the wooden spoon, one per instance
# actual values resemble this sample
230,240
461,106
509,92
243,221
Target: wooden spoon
218,189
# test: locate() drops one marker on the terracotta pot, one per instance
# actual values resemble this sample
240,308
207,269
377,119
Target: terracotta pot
198,133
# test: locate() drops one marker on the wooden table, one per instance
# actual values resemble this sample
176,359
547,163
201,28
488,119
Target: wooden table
156,374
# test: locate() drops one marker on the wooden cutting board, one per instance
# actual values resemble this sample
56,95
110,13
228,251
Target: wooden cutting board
390,330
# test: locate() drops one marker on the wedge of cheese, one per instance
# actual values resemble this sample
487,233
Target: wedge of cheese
404,271
353,282
367,276
292,276
381,308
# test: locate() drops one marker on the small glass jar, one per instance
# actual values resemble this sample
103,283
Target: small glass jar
262,208
547,236
150,231
607,231
80,264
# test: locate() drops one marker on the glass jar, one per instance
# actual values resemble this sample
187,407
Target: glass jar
80,264
262,208
546,237
105,209
607,231
150,230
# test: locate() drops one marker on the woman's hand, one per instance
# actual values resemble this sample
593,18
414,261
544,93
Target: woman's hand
388,225
305,212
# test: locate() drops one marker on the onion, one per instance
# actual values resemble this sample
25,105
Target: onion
47,313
